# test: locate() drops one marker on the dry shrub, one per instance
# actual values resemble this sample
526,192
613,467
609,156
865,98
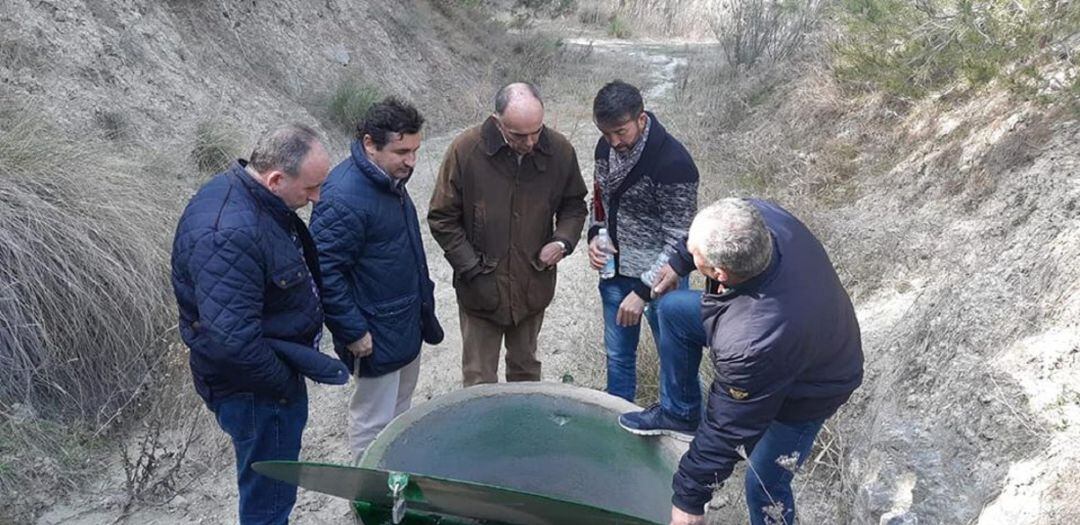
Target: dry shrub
85,300
533,56
752,31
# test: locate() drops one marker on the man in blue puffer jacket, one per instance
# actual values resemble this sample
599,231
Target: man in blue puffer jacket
379,299
246,277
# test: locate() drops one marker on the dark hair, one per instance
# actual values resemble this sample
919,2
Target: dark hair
516,89
283,148
386,117
617,102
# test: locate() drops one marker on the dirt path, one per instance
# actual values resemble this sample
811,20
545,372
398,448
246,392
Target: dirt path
569,345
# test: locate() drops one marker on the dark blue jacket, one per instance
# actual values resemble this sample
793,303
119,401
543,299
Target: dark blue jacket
244,269
785,346
375,274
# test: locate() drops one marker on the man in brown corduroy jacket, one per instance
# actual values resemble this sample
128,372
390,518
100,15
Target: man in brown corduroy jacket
509,204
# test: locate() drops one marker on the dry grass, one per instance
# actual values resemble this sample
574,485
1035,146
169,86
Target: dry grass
215,146
85,302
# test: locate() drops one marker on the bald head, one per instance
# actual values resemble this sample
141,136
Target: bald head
519,112
517,94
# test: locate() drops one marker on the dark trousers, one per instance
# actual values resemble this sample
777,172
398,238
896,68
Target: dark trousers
482,340
263,429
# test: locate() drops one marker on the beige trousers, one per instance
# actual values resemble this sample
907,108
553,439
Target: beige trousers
378,400
482,340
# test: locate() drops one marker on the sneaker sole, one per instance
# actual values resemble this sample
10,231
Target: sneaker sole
681,436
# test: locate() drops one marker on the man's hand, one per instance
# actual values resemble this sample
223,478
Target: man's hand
552,253
630,310
666,280
678,517
597,257
361,347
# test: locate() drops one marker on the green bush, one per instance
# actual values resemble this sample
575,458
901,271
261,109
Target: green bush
912,48
349,101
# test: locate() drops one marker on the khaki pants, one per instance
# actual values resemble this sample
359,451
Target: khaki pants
378,400
481,341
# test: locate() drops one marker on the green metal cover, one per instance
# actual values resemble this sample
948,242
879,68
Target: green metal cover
548,439
433,500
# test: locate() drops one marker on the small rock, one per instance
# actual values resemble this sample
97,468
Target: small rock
178,502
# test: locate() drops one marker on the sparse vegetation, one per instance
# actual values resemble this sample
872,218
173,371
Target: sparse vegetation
618,27
349,101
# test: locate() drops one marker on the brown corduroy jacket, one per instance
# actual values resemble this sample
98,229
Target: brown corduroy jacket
492,214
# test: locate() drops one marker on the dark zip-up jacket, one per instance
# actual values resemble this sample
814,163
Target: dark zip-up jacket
375,273
785,346
245,273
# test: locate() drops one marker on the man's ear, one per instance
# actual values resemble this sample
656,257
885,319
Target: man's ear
274,179
369,145
641,119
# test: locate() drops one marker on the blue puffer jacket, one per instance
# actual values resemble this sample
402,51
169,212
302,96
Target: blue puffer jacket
375,274
247,298
785,346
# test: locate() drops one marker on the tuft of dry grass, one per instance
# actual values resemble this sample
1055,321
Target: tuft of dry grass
215,146
85,302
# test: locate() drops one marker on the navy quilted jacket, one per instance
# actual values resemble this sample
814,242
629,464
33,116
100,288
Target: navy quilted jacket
247,298
375,274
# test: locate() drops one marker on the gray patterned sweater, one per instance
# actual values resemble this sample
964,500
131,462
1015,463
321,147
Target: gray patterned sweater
648,210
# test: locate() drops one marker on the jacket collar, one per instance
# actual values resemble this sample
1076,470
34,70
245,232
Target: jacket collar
494,141
264,198
368,169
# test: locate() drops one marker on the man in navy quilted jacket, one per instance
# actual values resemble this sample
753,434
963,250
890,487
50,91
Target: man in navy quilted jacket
379,300
246,278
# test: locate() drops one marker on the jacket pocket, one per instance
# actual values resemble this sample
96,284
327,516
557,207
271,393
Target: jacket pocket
394,326
290,276
481,294
541,289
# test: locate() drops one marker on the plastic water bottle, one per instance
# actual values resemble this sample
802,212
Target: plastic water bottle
604,243
649,276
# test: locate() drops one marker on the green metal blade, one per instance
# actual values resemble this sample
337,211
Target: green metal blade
448,497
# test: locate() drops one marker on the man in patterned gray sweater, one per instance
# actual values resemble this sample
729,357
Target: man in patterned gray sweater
645,194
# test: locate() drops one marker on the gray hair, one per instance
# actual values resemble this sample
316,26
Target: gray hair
511,91
731,235
283,148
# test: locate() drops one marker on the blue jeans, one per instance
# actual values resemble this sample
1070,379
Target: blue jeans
263,429
682,337
768,484
621,342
